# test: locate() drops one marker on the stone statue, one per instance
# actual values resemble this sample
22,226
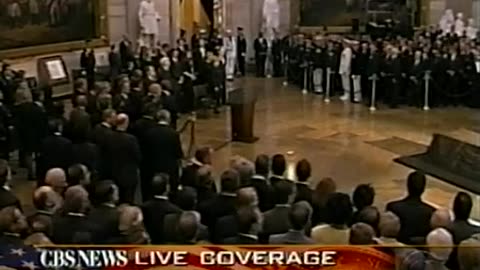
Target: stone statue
230,46
471,30
459,25
271,17
447,21
149,18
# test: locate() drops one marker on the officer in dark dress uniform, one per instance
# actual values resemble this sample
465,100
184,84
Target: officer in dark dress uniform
277,56
241,51
261,48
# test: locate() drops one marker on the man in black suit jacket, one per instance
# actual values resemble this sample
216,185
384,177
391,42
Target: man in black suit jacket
261,48
303,172
260,183
125,158
164,149
73,226
279,166
300,215
44,200
105,215
140,129
275,221
227,226
102,135
190,173
12,225
78,126
414,214
155,210
461,228
186,200
241,50
249,224
7,198
55,151
224,203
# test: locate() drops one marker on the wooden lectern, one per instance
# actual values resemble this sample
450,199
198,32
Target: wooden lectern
242,109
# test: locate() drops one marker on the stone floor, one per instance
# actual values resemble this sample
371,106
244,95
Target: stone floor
343,141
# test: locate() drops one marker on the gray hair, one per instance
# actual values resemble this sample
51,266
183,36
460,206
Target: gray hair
441,219
163,116
440,243
389,225
245,169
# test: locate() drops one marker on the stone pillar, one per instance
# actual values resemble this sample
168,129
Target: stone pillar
476,12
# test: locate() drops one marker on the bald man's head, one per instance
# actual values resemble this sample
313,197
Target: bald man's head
440,243
122,122
188,225
12,220
362,234
389,225
76,200
247,197
46,199
441,219
57,179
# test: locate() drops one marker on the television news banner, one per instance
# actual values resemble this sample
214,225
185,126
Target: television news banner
199,257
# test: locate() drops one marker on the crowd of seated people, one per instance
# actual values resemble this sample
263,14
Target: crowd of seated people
254,204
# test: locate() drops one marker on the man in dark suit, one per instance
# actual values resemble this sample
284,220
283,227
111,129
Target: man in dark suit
227,226
188,228
78,126
190,173
303,172
300,215
186,201
115,62
261,48
414,214
105,215
241,50
125,158
275,221
12,225
164,149
102,135
73,227
140,129
461,229
44,200
260,183
224,203
7,198
55,151
249,224
279,166
155,210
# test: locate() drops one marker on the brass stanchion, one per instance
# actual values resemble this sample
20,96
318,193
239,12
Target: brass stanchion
426,106
374,79
327,92
305,80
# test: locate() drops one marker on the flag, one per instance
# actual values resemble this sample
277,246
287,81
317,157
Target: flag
19,257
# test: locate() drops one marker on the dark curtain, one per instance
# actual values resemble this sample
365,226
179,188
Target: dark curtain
208,7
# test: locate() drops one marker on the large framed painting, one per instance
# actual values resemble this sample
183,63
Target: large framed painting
32,27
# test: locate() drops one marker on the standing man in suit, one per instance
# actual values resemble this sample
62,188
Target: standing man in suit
261,183
277,44
102,134
105,215
164,152
114,61
299,216
249,225
155,210
55,151
275,221
261,48
414,214
125,158
241,50
90,66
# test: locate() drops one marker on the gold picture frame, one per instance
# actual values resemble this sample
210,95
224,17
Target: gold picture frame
101,28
